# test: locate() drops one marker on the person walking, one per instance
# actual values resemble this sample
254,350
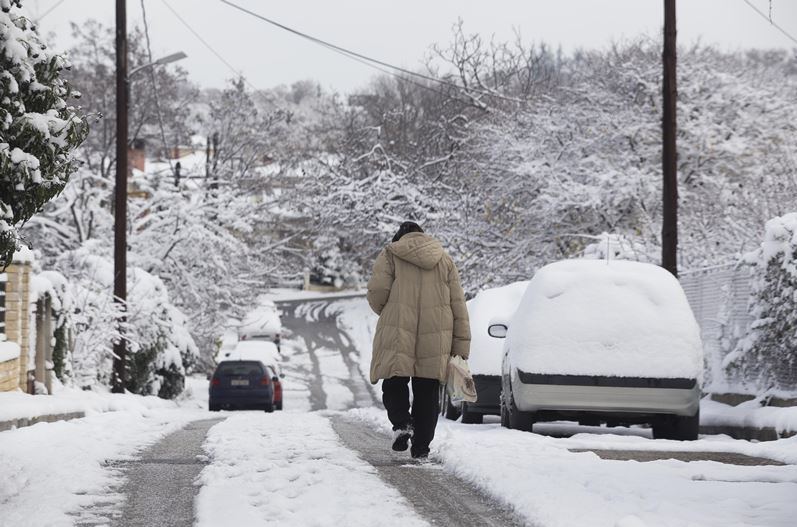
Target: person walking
423,321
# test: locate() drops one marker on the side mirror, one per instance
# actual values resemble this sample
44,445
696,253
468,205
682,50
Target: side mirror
275,378
282,375
497,331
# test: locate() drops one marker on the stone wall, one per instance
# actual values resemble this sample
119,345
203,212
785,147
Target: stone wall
17,323
9,375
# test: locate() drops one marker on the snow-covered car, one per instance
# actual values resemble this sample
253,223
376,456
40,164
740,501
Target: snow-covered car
597,341
262,323
485,352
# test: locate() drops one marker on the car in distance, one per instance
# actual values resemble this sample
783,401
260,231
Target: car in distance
596,341
485,352
242,385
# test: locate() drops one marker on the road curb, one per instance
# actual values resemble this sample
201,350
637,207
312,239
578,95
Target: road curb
47,418
747,433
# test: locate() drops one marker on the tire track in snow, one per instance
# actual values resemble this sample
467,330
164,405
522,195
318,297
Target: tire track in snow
315,322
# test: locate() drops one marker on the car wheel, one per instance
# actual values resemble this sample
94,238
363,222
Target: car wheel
279,405
213,407
471,418
452,412
269,408
680,428
504,413
516,419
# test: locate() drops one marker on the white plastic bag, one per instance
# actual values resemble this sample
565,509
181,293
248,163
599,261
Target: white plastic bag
460,383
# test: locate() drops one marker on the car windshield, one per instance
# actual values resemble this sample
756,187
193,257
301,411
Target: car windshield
239,369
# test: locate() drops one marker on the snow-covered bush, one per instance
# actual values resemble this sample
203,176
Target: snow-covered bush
618,247
39,131
160,347
767,355
331,267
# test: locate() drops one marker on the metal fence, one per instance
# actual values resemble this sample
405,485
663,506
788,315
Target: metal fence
720,298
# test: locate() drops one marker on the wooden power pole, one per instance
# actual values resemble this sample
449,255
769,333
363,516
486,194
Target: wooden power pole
669,154
120,209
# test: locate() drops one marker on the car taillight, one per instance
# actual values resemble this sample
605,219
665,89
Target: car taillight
215,381
265,380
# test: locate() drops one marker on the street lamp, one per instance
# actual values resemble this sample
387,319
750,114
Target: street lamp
168,59
120,212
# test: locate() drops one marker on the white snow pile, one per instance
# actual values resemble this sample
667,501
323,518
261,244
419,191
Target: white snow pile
64,400
497,303
749,414
263,321
291,469
8,350
588,317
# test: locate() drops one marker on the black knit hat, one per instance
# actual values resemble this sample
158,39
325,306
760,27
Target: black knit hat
406,228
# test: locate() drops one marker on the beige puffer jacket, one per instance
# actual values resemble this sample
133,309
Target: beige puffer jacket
423,319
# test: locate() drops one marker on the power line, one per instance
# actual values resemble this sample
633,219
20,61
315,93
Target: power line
369,60
52,8
769,19
205,42
236,72
155,85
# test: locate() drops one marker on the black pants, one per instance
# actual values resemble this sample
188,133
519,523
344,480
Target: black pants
425,407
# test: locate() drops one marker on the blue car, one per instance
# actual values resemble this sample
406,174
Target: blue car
242,385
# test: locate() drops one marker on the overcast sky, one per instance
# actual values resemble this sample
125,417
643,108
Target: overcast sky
400,32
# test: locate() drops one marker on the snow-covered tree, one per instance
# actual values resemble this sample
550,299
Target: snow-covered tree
766,356
39,130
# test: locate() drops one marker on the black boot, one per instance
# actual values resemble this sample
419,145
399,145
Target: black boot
401,438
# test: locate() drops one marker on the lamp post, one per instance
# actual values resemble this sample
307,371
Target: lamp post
120,211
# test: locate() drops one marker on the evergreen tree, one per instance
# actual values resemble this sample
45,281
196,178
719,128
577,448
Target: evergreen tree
39,131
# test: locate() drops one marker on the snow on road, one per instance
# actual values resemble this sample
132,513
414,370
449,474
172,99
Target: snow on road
55,474
552,486
291,469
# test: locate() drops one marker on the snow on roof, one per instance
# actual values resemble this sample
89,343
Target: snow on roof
24,255
589,317
8,350
494,303
257,350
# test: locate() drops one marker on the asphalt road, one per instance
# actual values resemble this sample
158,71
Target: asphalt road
159,486
437,496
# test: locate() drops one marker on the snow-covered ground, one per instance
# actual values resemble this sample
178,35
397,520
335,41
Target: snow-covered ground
18,405
358,321
52,471
291,469
548,484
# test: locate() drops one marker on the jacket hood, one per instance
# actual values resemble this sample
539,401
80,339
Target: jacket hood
418,249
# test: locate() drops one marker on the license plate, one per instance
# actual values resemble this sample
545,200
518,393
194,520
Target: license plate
238,382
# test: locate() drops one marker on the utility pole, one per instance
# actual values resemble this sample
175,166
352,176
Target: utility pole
669,153
120,218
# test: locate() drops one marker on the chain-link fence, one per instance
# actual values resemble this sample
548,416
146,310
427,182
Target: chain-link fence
720,298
